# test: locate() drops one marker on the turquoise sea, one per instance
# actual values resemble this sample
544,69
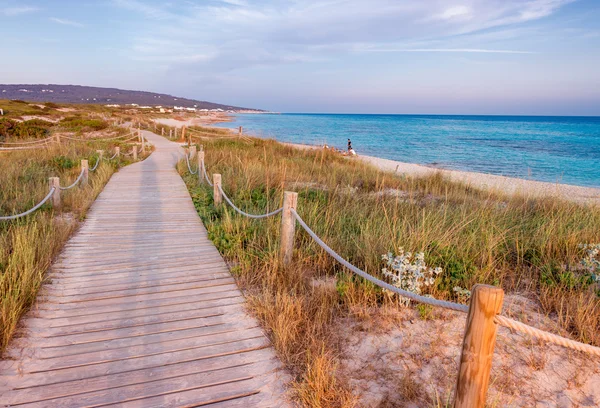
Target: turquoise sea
545,148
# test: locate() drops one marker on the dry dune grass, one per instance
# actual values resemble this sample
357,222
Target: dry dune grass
475,236
28,245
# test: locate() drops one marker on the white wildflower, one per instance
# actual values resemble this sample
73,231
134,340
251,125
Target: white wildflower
409,272
591,260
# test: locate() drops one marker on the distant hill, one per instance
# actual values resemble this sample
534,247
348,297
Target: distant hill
104,96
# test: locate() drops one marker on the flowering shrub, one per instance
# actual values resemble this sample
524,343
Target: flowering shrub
591,261
463,294
409,272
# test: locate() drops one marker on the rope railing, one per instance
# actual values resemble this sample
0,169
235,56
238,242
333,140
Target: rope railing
254,216
206,174
75,182
410,295
483,313
96,165
37,206
101,139
546,336
187,160
27,143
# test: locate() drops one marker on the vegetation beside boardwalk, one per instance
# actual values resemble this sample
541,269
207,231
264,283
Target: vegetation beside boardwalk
530,246
28,245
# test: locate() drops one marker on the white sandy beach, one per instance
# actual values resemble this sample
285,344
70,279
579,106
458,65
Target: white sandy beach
508,185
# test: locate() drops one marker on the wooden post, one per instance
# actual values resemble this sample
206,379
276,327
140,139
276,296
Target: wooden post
118,151
143,144
200,162
162,131
240,132
170,133
288,227
192,152
478,347
134,152
55,182
216,192
183,134
86,169
57,139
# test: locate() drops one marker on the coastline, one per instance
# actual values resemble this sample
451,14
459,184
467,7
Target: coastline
490,182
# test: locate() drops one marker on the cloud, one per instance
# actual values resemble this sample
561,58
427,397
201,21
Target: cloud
15,11
226,35
459,50
66,22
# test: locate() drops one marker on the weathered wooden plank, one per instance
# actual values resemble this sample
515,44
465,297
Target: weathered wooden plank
145,376
140,309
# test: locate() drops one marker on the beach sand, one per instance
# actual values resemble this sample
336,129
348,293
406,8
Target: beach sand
507,185
185,120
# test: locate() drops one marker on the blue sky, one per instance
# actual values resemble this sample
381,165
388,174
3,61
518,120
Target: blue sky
369,56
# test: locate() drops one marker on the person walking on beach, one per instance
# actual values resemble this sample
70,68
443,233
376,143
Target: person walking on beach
351,151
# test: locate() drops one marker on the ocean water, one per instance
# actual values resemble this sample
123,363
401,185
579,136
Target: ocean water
554,149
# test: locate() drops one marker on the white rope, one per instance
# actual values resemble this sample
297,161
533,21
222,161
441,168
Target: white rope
379,282
27,143
113,156
99,139
96,165
206,174
187,160
32,147
14,217
544,335
74,183
245,213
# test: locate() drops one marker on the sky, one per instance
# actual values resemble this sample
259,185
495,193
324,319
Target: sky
523,57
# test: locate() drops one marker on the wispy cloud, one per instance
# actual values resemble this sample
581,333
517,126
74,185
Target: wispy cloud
15,11
238,34
66,22
463,50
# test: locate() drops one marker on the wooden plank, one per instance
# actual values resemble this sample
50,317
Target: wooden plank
144,376
140,309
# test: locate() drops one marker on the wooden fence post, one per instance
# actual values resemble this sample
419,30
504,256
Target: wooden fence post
100,154
216,191
240,132
134,152
86,169
162,131
288,227
170,133
55,182
192,152
478,347
57,138
200,163
143,144
183,133
117,151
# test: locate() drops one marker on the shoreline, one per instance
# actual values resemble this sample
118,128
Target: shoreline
484,181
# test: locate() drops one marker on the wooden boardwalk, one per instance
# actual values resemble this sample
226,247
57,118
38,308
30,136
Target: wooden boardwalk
141,310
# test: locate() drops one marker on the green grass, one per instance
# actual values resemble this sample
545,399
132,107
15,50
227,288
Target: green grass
524,245
28,245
